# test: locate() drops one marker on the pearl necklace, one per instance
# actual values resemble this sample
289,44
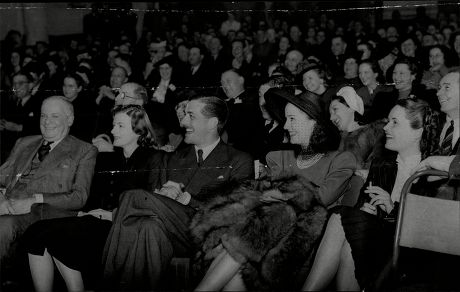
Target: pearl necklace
309,161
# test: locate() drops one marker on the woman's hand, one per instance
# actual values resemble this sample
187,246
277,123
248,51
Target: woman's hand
98,213
380,197
368,208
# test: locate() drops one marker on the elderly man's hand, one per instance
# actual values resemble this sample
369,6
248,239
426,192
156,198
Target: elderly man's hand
21,206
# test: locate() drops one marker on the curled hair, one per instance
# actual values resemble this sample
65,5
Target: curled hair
375,67
78,80
140,123
320,71
324,138
421,115
413,66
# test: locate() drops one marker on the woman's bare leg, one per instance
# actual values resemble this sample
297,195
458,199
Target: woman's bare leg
327,257
42,270
73,279
235,284
346,279
221,271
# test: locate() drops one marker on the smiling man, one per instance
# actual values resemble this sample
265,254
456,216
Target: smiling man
138,252
53,170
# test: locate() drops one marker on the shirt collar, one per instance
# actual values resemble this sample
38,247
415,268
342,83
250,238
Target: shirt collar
55,143
207,150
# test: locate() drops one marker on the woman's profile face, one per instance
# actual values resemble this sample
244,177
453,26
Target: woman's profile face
400,136
299,125
122,131
403,77
436,59
312,82
341,115
367,75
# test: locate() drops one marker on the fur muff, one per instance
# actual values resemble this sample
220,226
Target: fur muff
273,240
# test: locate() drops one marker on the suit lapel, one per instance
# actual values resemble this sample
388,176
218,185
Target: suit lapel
55,156
24,159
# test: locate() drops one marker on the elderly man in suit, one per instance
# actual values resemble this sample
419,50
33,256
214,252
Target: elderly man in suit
150,228
53,170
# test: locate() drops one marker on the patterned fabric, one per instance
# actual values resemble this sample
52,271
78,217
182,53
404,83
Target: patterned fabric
446,145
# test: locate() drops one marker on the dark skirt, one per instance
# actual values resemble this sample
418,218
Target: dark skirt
77,242
370,239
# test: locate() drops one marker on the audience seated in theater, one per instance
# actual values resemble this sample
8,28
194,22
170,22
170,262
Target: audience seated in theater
164,95
365,141
245,123
406,84
46,176
75,244
21,113
257,247
131,93
350,70
373,83
84,108
275,137
139,249
439,61
314,80
358,240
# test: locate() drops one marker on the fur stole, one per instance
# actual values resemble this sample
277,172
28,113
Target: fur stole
274,240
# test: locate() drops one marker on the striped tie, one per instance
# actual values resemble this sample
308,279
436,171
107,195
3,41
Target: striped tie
446,145
200,157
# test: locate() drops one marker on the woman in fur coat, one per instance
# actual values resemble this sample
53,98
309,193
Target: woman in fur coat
262,235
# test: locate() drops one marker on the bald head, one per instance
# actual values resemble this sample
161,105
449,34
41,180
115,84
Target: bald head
232,83
293,58
131,93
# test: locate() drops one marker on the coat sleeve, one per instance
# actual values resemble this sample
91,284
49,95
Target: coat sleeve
77,196
7,168
336,180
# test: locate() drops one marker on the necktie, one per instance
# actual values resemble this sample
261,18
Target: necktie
44,150
269,126
446,145
200,157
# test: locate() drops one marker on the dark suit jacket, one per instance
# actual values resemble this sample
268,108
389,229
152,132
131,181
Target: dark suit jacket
224,164
63,177
200,80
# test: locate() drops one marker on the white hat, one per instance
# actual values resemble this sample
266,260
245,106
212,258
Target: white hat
354,101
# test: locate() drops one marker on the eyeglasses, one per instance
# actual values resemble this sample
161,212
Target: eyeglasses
123,95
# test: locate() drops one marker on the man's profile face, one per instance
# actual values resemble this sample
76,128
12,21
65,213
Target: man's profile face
448,94
55,121
197,126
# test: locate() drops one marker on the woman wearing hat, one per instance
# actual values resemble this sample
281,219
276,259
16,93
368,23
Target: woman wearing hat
357,242
365,141
262,234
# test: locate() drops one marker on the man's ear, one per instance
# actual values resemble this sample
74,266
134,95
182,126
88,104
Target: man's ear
213,122
70,120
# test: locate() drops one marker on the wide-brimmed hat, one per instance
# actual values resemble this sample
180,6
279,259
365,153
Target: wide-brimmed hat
307,102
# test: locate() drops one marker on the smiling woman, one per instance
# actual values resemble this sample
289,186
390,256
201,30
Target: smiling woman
257,237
